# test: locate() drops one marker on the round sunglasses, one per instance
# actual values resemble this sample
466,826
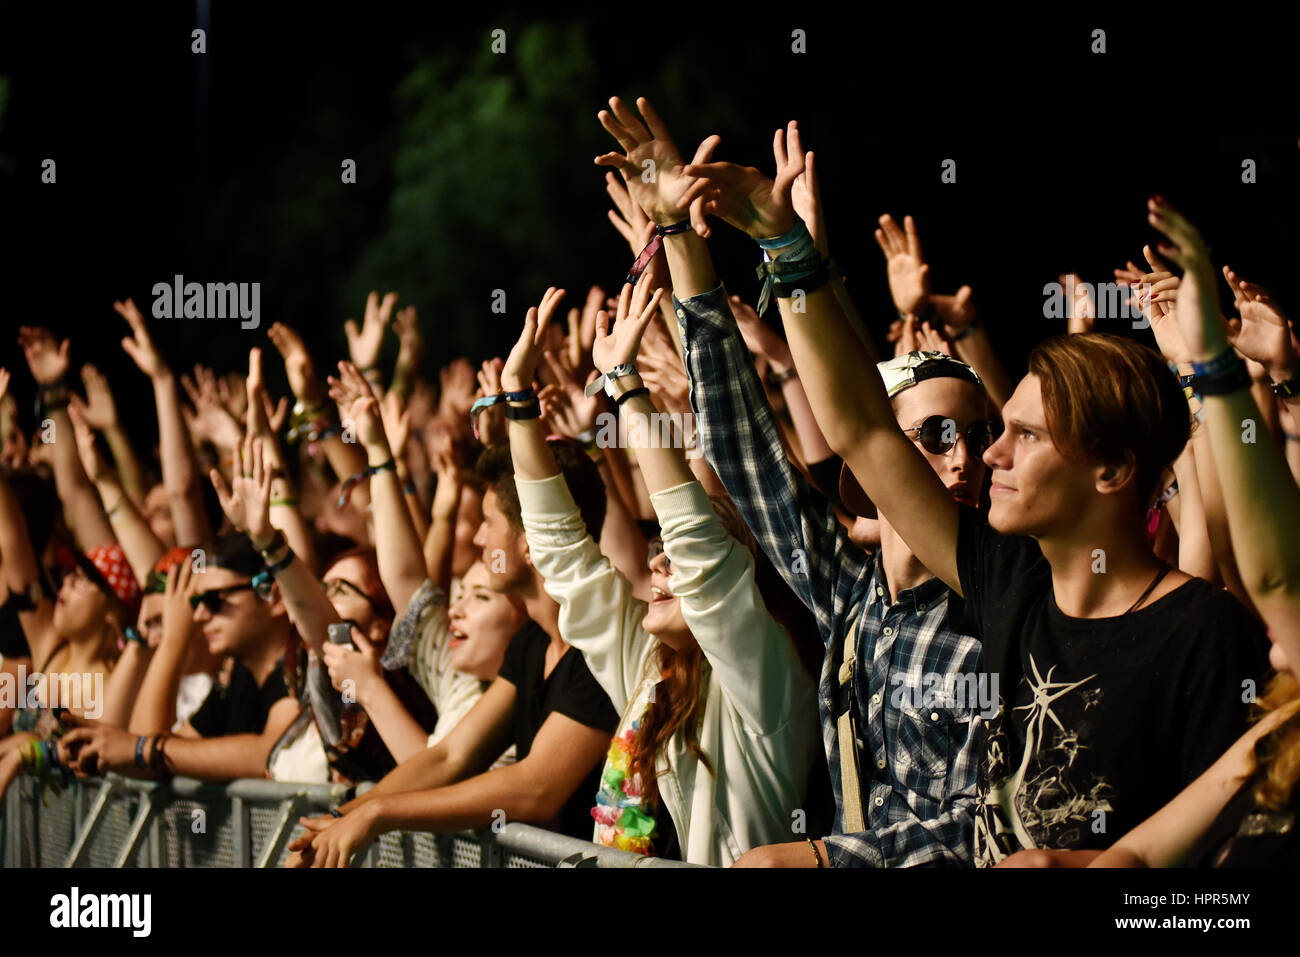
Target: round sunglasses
938,435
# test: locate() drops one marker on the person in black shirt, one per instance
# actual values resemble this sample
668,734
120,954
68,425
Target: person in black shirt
1088,433
242,616
545,700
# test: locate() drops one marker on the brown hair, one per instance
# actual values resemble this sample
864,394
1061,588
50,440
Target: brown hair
1278,752
1107,398
372,584
497,471
677,698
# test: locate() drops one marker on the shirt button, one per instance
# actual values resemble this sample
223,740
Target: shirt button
880,802
879,591
888,631
875,699
922,608
934,715
881,763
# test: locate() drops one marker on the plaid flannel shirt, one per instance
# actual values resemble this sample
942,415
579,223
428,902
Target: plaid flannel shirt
917,754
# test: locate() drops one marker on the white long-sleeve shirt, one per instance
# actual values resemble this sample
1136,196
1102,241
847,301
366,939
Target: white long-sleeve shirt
759,727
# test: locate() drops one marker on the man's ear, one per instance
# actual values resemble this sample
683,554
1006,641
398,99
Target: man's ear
276,601
1114,477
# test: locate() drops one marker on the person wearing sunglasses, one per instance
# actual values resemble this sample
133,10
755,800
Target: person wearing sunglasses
903,775
241,616
1121,679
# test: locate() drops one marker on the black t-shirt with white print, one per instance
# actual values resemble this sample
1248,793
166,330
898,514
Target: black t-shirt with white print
1101,721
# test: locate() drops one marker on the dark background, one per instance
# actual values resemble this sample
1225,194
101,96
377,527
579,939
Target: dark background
474,170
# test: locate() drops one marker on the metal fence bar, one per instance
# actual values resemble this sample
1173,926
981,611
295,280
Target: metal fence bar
143,814
77,815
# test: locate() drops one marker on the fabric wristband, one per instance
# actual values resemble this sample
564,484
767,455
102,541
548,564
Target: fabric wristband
1223,374
652,249
346,491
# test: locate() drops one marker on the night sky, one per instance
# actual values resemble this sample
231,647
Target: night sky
226,167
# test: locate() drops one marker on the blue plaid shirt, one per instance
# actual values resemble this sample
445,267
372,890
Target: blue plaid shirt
917,752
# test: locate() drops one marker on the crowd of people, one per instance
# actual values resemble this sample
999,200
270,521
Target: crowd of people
616,582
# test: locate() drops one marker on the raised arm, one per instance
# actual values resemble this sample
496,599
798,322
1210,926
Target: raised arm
180,469
155,705
1262,500
101,415
836,365
398,547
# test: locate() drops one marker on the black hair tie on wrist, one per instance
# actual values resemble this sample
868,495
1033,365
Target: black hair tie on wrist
639,390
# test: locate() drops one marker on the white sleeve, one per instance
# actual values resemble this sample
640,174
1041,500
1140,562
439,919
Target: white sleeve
598,614
752,656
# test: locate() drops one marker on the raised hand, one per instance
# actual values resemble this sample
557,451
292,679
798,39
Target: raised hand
91,461
521,365
929,339
577,413
1263,332
4,384
663,195
210,419
178,617
297,362
456,390
46,357
956,312
364,343
100,410
662,370
358,405
909,276
397,421
491,423
139,345
582,326
232,391
411,340
635,310
1198,318
247,500
745,197
806,195
763,341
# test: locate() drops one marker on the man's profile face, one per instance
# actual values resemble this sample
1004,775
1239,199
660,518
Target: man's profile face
240,618
1035,489
503,548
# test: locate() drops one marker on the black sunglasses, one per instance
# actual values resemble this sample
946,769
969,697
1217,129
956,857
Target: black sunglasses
214,599
938,435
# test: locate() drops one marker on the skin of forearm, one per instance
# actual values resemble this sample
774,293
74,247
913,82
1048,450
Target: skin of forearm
439,546
614,462
621,538
128,465
1195,556
155,705
81,506
179,466
400,732
400,556
305,600
660,467
19,566
977,352
219,759
133,533
123,684
1289,424
471,803
811,441
431,768
528,449
1216,516
1264,508
689,264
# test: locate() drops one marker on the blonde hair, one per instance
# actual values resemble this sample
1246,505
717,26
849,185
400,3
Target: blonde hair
1277,754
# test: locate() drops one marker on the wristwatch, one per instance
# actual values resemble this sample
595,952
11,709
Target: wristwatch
1288,389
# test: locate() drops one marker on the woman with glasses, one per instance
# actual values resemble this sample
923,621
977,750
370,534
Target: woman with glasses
718,726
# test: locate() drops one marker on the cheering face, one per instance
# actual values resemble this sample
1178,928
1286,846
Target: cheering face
481,625
80,608
239,619
958,416
663,617
469,516
502,548
1035,490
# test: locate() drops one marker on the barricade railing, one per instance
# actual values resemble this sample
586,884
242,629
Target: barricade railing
124,822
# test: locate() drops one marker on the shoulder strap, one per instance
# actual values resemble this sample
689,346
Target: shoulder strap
846,730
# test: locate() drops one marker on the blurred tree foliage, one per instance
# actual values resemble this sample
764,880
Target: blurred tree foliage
493,185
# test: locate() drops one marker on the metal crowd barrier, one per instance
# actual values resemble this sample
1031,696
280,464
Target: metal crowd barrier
123,822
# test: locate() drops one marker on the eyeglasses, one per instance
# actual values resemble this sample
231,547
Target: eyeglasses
655,550
214,599
341,586
938,435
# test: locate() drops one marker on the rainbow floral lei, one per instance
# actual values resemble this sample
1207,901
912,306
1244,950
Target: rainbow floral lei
620,820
